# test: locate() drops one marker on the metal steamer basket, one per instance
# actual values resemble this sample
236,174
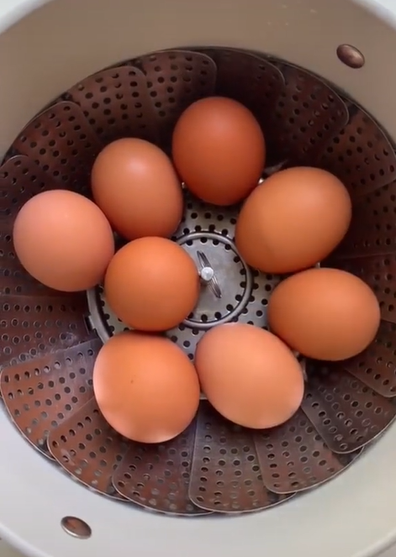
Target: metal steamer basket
318,77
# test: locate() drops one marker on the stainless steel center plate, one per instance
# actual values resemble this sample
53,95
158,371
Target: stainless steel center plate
230,290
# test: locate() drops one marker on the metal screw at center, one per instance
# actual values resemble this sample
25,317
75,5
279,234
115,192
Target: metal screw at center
206,274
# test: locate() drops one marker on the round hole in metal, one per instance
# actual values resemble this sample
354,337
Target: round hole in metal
76,527
350,56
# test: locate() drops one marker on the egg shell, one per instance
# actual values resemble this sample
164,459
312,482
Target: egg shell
249,375
219,150
152,284
63,240
136,186
146,387
293,220
326,314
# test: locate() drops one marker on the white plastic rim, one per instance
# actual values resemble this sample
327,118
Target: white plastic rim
45,47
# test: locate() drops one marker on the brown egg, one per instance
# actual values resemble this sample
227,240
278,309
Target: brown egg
326,314
249,375
146,387
63,240
152,284
293,220
136,186
219,150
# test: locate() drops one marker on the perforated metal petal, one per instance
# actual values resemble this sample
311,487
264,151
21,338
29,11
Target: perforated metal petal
379,272
225,474
250,80
20,179
88,448
376,366
360,155
345,412
117,104
62,143
175,79
293,457
33,327
157,476
373,228
307,115
41,393
14,280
